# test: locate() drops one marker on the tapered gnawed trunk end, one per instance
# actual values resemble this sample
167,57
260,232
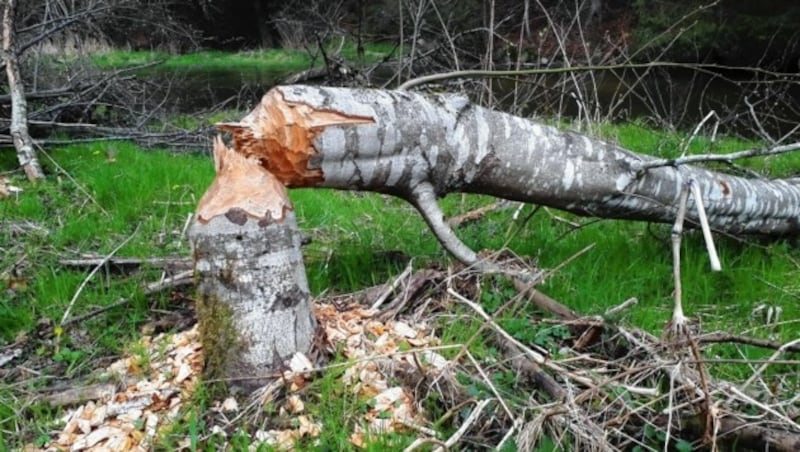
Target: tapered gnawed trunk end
253,302
281,134
242,188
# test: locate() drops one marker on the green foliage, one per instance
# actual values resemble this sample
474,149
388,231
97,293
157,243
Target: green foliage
742,31
655,20
279,61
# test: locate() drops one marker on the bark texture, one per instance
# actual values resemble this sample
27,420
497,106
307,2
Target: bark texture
253,301
421,147
19,107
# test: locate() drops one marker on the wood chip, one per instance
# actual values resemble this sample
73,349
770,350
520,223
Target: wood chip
229,405
184,372
300,363
294,404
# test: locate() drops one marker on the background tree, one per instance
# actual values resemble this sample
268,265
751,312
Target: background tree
19,116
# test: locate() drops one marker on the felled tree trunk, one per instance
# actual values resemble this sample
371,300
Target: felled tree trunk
419,148
19,106
253,304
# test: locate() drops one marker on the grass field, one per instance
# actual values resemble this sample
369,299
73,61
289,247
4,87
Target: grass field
281,60
98,196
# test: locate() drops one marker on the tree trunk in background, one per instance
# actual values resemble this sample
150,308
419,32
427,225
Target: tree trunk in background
419,148
253,303
268,39
19,108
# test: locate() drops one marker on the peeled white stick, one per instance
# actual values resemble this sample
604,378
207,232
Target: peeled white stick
701,214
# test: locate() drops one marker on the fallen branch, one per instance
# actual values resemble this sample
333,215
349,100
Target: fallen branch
127,264
720,337
92,273
181,279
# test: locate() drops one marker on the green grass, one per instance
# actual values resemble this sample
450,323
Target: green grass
268,60
102,194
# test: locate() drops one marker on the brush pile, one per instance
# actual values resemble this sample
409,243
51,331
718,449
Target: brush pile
518,377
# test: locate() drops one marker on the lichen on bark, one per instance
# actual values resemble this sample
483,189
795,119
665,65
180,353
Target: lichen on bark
217,334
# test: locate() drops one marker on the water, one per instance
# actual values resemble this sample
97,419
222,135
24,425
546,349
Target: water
194,90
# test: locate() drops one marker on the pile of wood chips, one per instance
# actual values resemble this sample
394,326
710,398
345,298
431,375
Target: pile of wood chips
158,387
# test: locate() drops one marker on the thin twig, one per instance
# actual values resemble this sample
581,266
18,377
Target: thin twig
179,279
775,150
72,179
697,130
391,287
722,337
757,121
614,310
464,428
537,357
703,68
95,270
474,215
775,355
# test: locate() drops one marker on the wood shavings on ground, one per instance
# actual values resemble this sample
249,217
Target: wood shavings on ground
157,386
162,379
595,386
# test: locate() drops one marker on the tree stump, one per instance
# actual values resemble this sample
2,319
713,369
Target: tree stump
253,302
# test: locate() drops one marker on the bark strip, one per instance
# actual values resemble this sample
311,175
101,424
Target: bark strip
421,147
253,302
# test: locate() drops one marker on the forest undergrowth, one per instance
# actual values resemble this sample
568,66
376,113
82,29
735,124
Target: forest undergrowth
71,306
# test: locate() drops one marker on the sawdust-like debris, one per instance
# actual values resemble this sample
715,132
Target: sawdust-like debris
132,418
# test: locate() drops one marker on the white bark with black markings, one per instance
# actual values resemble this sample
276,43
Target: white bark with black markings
253,304
19,106
422,147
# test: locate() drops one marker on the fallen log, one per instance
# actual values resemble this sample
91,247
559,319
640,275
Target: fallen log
253,304
421,147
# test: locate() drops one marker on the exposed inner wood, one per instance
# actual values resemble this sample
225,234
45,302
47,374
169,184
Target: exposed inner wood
281,135
242,186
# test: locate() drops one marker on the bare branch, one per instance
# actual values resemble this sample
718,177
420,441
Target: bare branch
699,158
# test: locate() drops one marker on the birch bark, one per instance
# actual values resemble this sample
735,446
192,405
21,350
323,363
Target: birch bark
253,303
420,147
19,107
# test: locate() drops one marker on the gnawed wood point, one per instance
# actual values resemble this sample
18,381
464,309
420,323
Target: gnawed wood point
253,303
242,187
281,135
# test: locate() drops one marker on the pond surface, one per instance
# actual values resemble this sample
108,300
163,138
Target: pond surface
194,90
